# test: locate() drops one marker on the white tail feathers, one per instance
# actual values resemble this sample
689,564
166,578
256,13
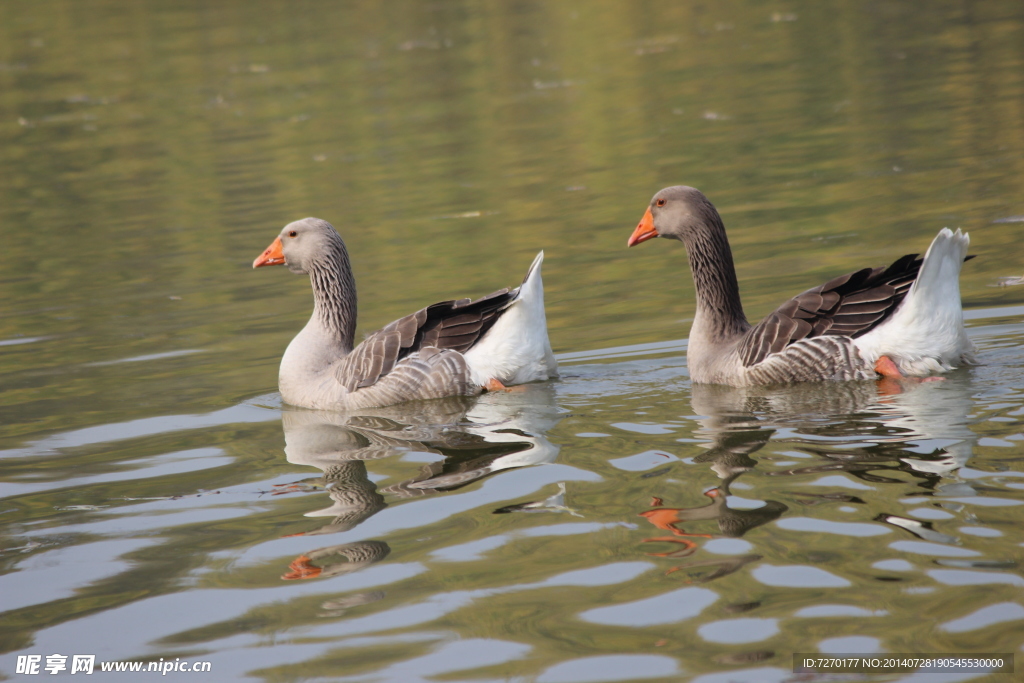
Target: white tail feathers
939,278
535,266
516,349
926,333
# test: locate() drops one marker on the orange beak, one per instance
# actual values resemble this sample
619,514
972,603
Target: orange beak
271,256
644,231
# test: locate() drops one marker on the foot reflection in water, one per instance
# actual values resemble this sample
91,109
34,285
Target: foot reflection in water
473,438
859,428
731,523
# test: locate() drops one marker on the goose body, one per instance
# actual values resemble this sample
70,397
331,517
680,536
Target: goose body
902,320
452,348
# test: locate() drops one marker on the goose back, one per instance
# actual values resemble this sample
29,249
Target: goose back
456,325
849,305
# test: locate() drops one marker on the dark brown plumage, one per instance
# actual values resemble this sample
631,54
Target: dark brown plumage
455,325
849,305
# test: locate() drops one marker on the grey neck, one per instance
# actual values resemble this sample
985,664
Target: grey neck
334,294
714,277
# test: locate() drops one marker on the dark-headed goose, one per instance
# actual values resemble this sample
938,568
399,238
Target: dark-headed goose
452,348
904,320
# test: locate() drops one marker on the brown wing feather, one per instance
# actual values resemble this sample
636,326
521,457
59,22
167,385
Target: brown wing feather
456,325
849,305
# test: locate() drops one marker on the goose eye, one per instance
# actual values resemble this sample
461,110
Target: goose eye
292,233
660,202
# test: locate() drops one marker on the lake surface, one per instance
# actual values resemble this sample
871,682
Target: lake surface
619,524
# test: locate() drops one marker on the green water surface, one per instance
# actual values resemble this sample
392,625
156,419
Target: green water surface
158,501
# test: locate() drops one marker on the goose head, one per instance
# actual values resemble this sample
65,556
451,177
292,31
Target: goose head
301,246
676,212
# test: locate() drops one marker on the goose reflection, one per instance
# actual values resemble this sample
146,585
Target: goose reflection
553,503
861,428
471,439
729,455
348,557
732,523
877,432
500,431
339,444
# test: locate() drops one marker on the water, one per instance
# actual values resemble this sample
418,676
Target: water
159,502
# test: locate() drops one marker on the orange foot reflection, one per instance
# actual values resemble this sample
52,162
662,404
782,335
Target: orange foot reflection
667,518
302,568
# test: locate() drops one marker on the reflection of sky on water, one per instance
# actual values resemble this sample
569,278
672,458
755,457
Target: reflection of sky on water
508,454
666,608
149,506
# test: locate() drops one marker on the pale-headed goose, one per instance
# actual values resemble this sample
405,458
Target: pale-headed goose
452,348
904,320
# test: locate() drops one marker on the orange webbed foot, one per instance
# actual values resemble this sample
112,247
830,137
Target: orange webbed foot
886,368
496,385
893,378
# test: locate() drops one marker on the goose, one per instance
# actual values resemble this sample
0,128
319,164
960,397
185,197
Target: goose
901,321
732,522
453,348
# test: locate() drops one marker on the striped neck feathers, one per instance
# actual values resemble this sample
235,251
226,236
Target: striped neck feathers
714,276
334,292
